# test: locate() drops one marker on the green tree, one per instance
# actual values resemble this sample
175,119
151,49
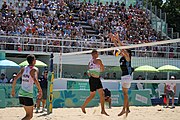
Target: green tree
157,3
172,9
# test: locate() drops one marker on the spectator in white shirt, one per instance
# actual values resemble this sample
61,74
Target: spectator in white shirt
3,78
170,90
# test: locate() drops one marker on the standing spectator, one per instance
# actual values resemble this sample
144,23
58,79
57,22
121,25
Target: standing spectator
44,84
3,78
170,91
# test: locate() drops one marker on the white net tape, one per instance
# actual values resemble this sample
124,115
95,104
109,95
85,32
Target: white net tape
127,47
133,81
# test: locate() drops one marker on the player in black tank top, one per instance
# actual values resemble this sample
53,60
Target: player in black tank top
125,66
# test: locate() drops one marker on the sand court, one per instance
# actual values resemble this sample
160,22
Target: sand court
93,113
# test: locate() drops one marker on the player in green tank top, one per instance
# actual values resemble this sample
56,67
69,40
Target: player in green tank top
26,100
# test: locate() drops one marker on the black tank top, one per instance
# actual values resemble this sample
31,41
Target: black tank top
125,66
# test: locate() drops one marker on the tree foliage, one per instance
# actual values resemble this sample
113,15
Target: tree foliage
172,9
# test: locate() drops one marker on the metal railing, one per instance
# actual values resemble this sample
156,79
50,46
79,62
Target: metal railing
46,44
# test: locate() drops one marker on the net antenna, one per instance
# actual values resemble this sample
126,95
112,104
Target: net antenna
126,47
60,61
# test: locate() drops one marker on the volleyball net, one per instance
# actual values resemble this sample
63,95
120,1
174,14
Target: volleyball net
150,56
154,54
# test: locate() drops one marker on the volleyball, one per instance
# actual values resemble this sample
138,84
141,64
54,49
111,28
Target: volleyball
117,52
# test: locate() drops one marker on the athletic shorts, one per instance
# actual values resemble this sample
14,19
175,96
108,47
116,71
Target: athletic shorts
95,83
169,94
126,81
44,94
26,101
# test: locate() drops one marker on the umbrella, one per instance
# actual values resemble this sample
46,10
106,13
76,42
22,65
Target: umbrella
8,64
168,69
38,63
146,68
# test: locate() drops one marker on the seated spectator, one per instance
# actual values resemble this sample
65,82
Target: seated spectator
107,76
85,76
107,96
170,91
12,79
155,85
114,76
139,86
3,78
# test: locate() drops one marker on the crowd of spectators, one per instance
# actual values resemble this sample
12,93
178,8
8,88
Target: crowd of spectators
131,22
32,18
55,19
38,18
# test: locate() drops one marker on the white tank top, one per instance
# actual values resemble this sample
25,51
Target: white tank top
27,83
94,68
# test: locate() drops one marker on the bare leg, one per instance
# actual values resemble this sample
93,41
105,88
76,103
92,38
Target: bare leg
101,95
43,103
173,102
29,112
167,102
127,110
126,103
38,105
88,99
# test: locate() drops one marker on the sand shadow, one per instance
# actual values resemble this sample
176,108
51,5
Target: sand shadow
44,114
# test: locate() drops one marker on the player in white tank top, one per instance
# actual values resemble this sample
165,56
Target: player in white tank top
27,82
29,77
95,67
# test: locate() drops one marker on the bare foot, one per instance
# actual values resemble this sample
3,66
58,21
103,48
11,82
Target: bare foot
127,111
83,110
121,113
103,112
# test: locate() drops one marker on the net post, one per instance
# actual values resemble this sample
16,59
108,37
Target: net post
50,87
